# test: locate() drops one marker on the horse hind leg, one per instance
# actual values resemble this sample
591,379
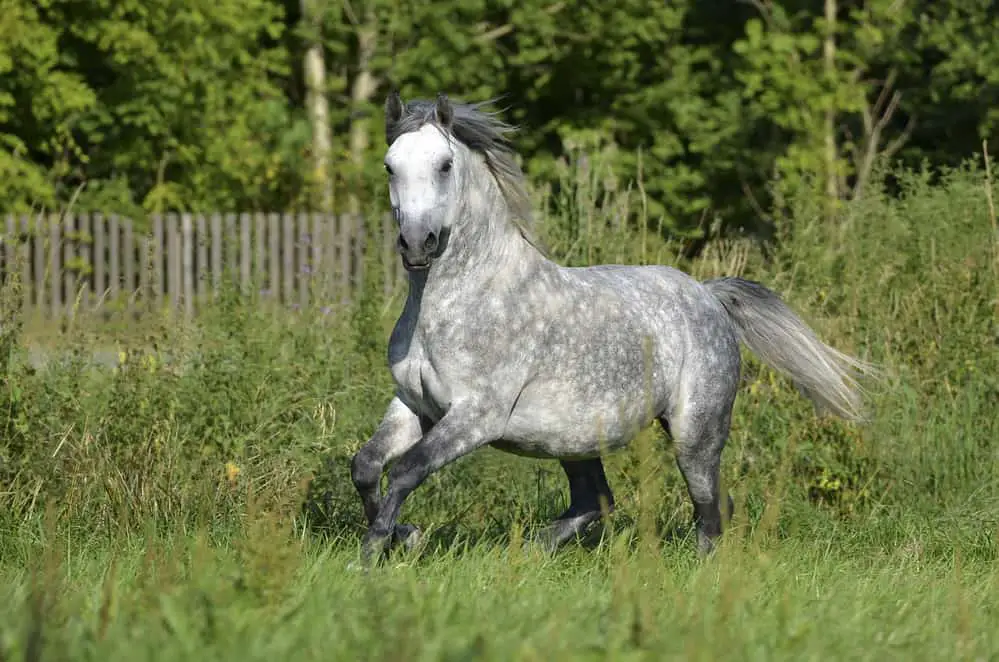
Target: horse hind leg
700,437
589,495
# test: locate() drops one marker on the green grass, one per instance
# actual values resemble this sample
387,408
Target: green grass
201,508
834,594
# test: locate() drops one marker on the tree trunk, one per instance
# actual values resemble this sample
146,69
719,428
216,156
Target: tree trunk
318,106
363,89
829,56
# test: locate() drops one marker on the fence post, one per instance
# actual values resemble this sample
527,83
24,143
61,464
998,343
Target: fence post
158,259
55,263
303,275
100,260
274,246
128,252
288,258
174,264
259,265
201,265
187,256
245,255
216,242
344,234
84,258
114,242
39,236
69,284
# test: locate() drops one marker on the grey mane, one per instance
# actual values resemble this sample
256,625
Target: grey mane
483,132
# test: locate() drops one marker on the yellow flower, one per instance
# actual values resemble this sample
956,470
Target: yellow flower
231,472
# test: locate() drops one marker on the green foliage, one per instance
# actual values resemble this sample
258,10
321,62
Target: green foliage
186,105
154,106
39,99
162,508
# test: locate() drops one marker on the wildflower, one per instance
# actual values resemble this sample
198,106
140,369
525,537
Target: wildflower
232,472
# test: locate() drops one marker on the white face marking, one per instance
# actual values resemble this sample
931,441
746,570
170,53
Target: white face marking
421,167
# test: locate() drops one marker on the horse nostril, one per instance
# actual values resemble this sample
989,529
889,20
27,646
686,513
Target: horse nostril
430,243
402,243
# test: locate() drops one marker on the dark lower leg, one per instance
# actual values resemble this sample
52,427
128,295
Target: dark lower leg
588,488
589,497
701,473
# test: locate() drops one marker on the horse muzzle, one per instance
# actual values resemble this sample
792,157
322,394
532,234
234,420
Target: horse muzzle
419,247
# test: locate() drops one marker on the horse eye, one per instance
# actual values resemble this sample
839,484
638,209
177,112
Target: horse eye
388,169
446,166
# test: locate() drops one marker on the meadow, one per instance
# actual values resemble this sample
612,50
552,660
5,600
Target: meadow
195,501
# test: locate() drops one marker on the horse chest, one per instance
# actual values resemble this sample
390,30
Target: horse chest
421,384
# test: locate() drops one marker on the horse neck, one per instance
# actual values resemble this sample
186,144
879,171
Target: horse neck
485,245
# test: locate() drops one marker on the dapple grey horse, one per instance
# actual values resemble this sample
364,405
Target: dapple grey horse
499,345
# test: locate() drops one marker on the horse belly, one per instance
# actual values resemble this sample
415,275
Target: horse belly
551,423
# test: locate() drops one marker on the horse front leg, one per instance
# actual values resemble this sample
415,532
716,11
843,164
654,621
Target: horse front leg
399,430
462,430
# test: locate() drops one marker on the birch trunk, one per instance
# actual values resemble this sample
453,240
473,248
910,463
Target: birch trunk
829,57
318,107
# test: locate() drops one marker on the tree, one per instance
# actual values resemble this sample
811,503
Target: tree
314,66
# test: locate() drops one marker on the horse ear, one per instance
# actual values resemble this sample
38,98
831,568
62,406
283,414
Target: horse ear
393,111
444,111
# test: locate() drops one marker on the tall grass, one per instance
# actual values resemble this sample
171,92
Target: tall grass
196,501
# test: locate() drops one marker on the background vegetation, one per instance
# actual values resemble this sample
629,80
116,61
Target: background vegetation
197,105
195,500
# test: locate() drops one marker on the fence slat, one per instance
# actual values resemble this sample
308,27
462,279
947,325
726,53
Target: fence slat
259,266
24,251
288,258
55,263
232,249
344,227
69,265
7,243
360,244
39,237
100,259
8,240
245,255
201,263
84,257
188,274
114,257
174,264
304,272
216,245
144,293
274,245
128,257
316,245
158,258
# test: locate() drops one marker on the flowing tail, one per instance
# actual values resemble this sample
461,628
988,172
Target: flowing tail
772,331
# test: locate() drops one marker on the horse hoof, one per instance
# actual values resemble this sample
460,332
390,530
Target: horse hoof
374,546
408,536
546,541
357,566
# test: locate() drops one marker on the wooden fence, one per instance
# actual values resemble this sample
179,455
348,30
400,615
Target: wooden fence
78,262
